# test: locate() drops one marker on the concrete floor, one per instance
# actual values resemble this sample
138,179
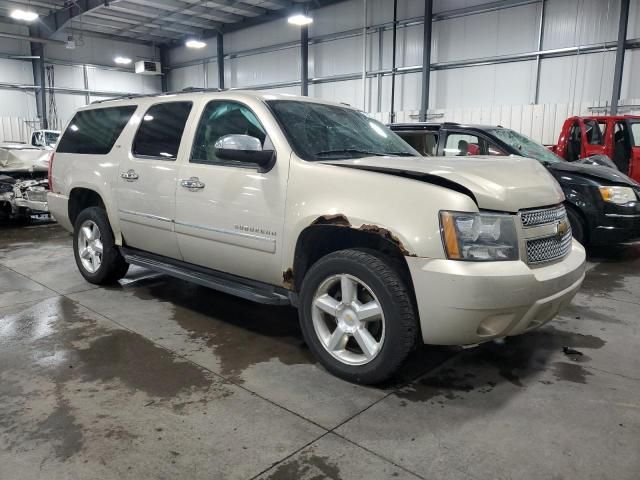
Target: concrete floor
157,378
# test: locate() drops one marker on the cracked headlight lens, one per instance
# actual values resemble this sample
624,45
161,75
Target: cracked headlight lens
481,237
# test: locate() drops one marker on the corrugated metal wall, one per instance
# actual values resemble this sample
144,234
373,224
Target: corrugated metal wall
493,93
19,114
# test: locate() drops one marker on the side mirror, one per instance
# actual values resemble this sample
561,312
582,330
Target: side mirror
244,148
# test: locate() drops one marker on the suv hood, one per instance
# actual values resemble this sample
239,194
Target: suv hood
606,175
506,184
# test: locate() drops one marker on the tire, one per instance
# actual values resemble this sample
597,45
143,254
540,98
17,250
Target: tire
394,330
577,225
112,266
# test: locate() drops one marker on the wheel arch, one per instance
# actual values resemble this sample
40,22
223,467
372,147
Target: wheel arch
331,234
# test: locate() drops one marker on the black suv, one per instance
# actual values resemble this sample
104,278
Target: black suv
602,203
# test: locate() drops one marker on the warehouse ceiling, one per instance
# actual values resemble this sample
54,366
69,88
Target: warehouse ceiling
151,21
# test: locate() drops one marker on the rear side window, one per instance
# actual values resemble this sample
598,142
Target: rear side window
424,142
161,130
95,131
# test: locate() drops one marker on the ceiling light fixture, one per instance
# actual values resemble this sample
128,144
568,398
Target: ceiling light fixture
25,15
300,19
122,60
195,43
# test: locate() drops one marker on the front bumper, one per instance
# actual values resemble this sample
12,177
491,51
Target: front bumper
32,205
615,228
464,303
59,208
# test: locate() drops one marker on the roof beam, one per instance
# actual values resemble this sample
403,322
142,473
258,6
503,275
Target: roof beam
59,19
150,15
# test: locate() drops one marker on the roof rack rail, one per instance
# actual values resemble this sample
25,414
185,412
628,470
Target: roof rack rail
127,96
450,123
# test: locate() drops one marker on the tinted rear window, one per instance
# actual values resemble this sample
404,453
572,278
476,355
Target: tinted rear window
161,130
95,131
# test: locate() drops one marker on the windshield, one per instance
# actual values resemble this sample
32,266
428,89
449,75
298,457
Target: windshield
526,146
319,132
51,138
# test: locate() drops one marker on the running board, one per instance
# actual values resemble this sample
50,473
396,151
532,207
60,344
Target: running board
223,282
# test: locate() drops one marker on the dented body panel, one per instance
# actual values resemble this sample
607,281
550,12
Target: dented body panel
364,200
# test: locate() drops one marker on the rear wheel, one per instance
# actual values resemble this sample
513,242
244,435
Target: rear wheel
577,225
94,248
357,316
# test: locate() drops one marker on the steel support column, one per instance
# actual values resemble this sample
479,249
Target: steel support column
39,78
304,61
164,68
620,51
220,59
393,61
536,95
426,59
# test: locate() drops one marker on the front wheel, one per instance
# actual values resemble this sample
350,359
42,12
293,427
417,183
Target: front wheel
357,316
94,248
577,225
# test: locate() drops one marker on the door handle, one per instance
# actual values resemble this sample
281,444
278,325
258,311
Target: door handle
129,175
192,183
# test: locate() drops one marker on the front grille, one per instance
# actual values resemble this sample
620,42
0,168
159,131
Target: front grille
534,218
553,237
547,249
36,195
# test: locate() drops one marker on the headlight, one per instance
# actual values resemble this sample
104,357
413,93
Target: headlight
619,195
480,237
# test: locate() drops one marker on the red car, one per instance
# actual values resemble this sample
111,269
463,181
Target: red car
617,137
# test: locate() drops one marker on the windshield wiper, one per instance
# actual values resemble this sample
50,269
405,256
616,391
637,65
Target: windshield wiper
360,152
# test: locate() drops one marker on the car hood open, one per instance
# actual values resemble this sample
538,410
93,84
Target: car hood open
505,184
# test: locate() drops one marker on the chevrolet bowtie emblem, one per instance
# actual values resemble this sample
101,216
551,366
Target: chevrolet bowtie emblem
563,228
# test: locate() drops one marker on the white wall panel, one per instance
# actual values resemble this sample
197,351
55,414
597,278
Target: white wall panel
183,54
445,5
513,30
481,85
335,57
283,90
66,105
570,23
17,103
13,46
272,33
633,27
212,75
577,79
99,51
282,65
184,77
339,17
16,71
349,91
631,75
117,81
68,76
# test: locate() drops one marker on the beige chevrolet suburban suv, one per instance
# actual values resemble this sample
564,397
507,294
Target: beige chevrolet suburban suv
288,200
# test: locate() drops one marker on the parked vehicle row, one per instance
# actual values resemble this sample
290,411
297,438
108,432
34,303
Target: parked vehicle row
286,200
601,202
